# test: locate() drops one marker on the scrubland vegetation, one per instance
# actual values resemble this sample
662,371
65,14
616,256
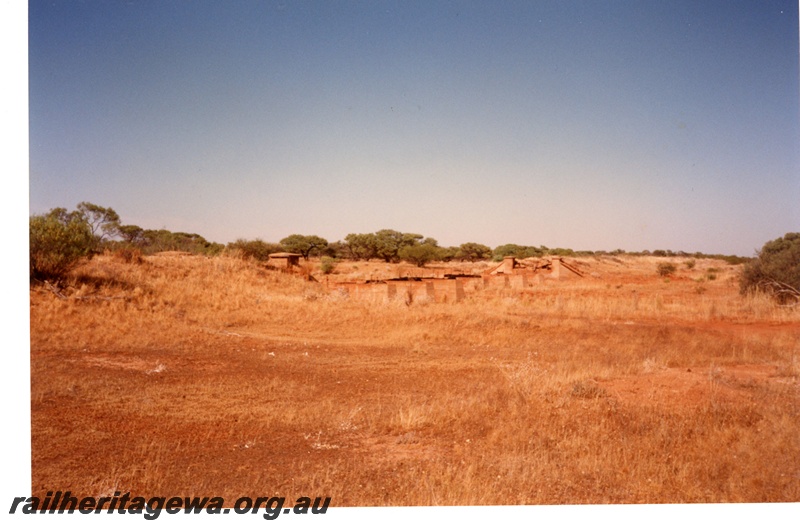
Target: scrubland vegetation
656,377
186,374
63,237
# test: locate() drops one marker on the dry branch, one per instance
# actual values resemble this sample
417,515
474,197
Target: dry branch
55,290
782,291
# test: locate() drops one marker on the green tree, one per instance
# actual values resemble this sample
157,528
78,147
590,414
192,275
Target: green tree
305,245
336,250
420,254
776,270
518,251
361,246
509,249
389,243
131,234
473,252
448,253
103,222
58,242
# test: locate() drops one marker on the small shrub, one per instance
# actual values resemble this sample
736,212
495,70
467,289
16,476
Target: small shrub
666,269
327,264
690,264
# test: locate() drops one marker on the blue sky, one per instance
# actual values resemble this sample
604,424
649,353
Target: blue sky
589,125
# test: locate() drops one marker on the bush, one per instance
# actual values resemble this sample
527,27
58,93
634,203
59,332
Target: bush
666,269
327,264
163,240
776,270
57,244
255,249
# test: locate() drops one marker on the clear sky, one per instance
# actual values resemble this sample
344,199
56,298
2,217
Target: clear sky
590,125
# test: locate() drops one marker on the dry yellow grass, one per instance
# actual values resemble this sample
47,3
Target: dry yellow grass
194,376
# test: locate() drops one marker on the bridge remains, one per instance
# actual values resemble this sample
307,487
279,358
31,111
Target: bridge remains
511,274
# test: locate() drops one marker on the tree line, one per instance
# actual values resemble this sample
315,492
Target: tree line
60,239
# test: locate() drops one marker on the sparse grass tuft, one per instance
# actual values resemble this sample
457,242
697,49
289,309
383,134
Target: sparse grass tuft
588,389
666,269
